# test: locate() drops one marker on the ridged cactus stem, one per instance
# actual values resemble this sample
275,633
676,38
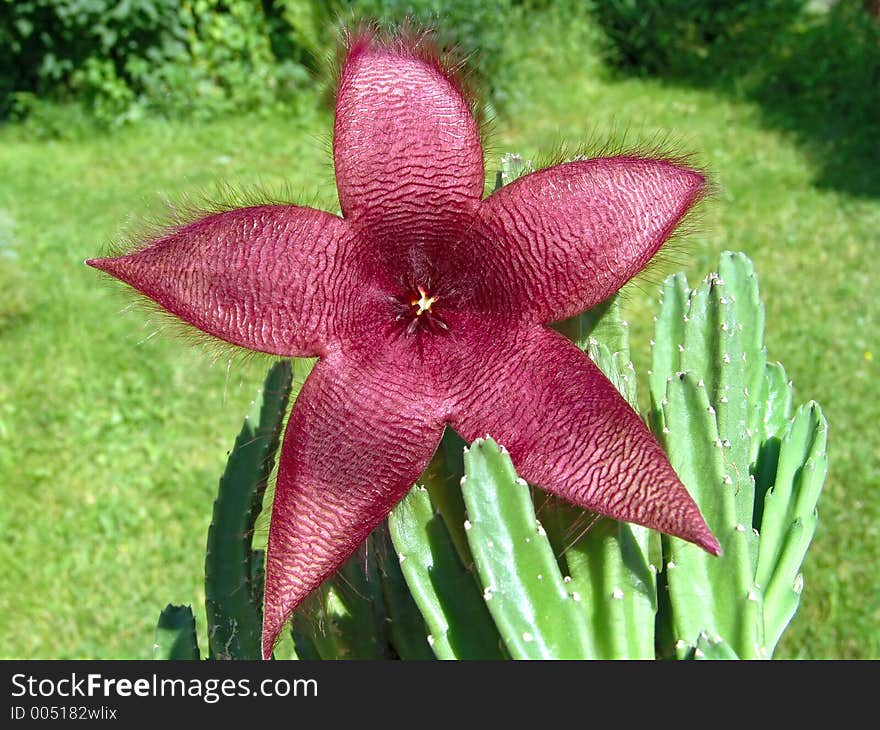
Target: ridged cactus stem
789,517
442,479
722,412
523,587
234,616
611,566
445,592
715,595
176,634
407,630
345,618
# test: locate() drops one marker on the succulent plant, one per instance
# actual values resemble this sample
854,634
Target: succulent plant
425,303
724,415
476,563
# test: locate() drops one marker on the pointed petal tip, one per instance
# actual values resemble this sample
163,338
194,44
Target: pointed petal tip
106,265
710,544
407,39
269,637
698,533
112,267
701,182
692,183
267,649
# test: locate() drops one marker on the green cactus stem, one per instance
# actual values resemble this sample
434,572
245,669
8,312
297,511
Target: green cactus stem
610,566
712,648
789,517
454,610
345,618
522,584
176,634
512,167
363,611
407,632
716,595
234,614
442,479
722,412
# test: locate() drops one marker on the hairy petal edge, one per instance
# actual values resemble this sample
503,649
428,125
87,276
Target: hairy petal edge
272,278
560,240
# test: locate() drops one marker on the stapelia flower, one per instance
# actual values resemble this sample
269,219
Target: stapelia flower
428,306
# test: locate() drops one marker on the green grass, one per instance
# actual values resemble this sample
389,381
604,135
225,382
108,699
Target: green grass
112,440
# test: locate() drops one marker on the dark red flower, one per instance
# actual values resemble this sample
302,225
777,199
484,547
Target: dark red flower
427,307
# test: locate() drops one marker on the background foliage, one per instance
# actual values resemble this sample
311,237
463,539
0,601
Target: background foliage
117,61
688,37
111,438
812,67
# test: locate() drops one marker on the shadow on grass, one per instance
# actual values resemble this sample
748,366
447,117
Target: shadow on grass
825,90
813,69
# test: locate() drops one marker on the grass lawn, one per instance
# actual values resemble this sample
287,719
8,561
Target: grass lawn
112,439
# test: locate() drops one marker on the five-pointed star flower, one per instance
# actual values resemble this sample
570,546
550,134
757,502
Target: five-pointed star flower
427,306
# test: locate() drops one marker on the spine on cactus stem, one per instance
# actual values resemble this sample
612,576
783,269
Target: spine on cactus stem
712,648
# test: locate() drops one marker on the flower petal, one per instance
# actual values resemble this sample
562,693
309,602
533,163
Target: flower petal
269,278
560,240
408,158
570,433
356,441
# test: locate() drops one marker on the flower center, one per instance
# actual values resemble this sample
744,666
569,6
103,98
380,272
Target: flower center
417,311
423,303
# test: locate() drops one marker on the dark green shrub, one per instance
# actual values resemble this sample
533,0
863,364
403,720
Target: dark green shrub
692,37
121,60
229,64
813,68
480,28
822,85
830,64
48,47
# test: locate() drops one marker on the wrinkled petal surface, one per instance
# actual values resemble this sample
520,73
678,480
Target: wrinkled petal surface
272,278
426,305
570,433
356,441
409,164
558,241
